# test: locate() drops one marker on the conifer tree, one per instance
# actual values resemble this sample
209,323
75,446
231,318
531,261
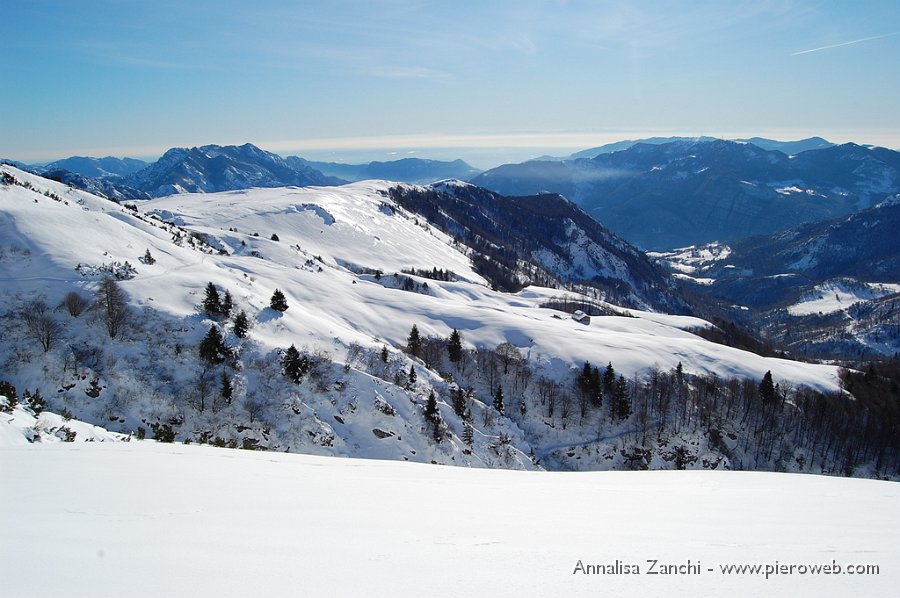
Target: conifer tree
767,389
498,400
414,342
609,379
212,348
241,324
226,391
293,365
411,378
278,301
227,304
459,402
433,416
468,434
454,346
384,354
621,399
148,258
212,304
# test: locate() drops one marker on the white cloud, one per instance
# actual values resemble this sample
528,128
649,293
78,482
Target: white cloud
850,43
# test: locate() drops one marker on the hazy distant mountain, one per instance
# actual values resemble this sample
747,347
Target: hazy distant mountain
790,147
213,168
111,187
687,192
624,145
406,170
786,147
95,167
17,164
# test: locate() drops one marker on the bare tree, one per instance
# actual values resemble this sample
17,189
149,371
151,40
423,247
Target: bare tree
509,354
41,324
110,300
75,304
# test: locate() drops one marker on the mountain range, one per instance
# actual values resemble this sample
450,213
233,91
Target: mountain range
405,170
785,147
687,192
212,168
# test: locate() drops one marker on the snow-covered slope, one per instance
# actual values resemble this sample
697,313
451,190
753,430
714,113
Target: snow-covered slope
838,295
336,258
355,226
148,519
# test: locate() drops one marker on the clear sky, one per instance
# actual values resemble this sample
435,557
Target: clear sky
487,81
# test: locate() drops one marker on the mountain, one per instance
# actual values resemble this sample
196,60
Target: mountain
111,187
790,147
341,371
823,289
95,167
541,239
785,147
213,168
406,170
688,193
618,146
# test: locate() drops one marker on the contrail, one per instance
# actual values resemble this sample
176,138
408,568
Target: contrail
856,41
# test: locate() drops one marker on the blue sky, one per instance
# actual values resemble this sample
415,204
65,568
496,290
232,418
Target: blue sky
488,81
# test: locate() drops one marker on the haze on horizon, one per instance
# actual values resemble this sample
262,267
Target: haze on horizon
494,82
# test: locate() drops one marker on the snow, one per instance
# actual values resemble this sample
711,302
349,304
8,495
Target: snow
693,259
22,427
145,519
838,295
331,305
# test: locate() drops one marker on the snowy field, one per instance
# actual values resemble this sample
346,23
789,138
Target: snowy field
141,519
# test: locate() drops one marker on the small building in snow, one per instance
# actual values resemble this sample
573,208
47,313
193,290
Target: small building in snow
580,316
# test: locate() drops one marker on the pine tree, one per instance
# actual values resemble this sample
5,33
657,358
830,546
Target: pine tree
278,301
459,402
468,434
384,354
454,346
148,258
411,378
414,342
621,399
212,348
609,378
498,400
241,324
433,416
227,304
212,304
293,365
767,390
226,391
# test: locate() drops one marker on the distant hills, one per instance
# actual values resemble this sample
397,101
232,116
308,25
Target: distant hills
658,193
214,168
686,192
405,170
96,167
786,147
